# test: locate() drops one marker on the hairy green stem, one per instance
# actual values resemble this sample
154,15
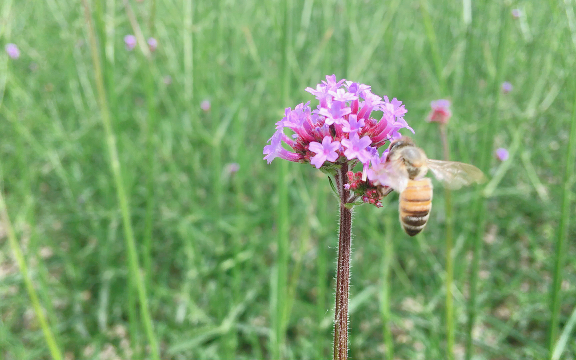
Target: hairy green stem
343,267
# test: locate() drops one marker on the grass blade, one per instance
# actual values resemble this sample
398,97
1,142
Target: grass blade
563,227
120,191
279,325
48,335
479,206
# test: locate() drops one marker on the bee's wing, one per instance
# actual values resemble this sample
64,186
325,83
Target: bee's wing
454,174
397,176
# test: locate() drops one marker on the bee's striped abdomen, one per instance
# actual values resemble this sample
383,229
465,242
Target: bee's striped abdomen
415,204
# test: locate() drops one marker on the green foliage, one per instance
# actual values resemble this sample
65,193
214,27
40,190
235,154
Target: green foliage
206,240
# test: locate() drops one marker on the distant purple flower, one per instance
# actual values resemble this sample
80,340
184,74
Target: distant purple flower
502,154
356,148
12,51
231,169
441,112
167,80
516,13
506,87
324,151
152,44
205,105
130,41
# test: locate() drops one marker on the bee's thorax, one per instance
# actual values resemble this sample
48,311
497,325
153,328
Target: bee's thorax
414,160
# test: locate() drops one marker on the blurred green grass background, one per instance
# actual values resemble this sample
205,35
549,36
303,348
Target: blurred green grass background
211,283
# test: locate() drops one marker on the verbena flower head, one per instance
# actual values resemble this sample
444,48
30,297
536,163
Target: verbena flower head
12,51
441,112
516,13
130,42
343,128
502,154
340,129
506,87
152,44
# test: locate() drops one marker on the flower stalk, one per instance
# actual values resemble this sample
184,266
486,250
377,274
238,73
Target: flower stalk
343,270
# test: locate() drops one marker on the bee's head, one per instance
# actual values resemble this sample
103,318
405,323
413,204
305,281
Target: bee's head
400,143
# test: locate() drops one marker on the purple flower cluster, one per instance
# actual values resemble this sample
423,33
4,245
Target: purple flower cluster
341,129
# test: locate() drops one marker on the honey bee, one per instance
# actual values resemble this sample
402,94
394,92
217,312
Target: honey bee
406,165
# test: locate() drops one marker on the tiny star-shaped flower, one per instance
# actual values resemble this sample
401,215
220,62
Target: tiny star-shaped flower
356,148
324,151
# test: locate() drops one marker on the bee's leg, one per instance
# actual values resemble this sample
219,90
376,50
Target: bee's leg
385,191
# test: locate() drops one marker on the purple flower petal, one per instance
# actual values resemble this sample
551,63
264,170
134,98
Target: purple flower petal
331,82
335,113
352,125
324,151
357,89
343,95
356,148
